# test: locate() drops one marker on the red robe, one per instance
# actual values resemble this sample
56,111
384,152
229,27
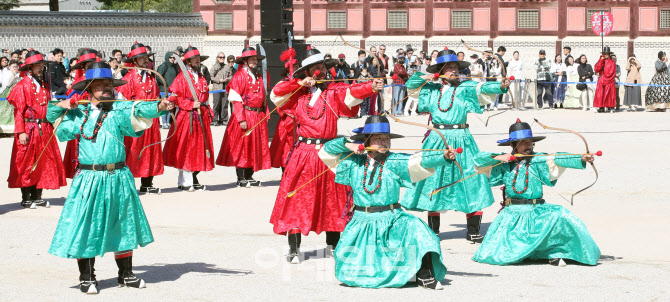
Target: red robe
49,173
606,89
321,204
186,149
283,138
151,162
239,150
71,156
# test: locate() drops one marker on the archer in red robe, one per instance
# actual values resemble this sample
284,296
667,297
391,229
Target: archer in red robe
247,153
605,96
320,205
142,86
190,149
33,137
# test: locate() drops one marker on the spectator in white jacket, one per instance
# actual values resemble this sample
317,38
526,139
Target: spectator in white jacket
516,69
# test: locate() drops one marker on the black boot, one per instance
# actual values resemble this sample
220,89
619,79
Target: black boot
26,203
147,186
126,276
36,197
434,223
87,282
248,175
241,181
474,222
332,238
294,248
425,277
196,183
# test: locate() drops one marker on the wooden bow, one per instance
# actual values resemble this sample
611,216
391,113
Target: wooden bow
174,118
502,65
587,151
397,120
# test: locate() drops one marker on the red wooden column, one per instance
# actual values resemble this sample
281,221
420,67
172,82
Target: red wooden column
429,21
307,17
250,18
562,26
493,19
634,25
367,20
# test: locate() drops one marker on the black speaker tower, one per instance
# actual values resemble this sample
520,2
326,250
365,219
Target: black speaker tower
276,30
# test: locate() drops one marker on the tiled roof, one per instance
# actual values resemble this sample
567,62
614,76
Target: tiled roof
100,19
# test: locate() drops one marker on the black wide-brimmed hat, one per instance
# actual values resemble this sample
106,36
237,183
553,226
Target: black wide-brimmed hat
374,124
607,50
248,52
86,55
32,57
313,57
519,131
192,52
138,50
97,71
446,56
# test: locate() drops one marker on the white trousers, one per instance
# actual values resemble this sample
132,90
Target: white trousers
185,178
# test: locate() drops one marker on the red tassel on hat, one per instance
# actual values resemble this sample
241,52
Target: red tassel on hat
309,47
446,48
136,42
518,120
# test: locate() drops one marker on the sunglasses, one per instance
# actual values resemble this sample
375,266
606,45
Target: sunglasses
221,57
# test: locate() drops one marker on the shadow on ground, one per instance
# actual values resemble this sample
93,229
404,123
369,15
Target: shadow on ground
16,206
162,272
460,234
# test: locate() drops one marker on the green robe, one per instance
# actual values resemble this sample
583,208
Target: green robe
102,212
383,249
474,193
542,231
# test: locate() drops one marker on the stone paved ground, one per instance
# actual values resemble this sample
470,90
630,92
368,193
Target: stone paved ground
218,245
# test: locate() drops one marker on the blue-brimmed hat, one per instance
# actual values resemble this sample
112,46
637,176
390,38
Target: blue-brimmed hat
444,57
519,131
374,124
98,71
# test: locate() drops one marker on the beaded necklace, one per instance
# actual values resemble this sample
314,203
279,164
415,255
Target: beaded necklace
450,105
145,85
323,109
37,97
516,174
379,177
201,88
95,129
257,87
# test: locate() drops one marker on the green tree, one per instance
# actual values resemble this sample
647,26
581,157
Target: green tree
8,4
160,6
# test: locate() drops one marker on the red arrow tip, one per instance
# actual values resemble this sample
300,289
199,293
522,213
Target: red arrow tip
511,78
316,73
361,147
436,75
512,158
599,153
459,150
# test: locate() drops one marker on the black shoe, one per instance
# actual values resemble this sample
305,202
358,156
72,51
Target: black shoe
561,106
429,283
214,123
28,204
557,262
150,190
199,187
242,183
254,183
88,284
474,238
126,276
128,279
185,188
293,257
555,106
42,203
